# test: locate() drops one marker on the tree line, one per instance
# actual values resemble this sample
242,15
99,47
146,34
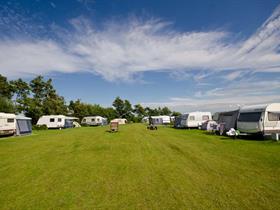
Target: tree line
39,97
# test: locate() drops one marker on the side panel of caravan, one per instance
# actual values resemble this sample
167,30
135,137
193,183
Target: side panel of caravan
272,119
195,119
7,124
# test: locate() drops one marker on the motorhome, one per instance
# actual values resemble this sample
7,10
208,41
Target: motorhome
94,120
120,121
195,119
56,121
259,119
7,124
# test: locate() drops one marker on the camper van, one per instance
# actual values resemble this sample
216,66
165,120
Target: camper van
121,121
195,119
94,120
56,121
7,124
259,119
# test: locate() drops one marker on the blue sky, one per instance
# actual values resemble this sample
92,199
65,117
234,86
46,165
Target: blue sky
188,55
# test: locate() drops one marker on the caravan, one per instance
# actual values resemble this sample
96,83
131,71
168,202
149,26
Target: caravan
161,120
259,119
195,119
7,124
94,120
57,121
120,121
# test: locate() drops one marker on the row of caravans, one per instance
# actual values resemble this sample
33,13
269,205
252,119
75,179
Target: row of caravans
11,124
253,120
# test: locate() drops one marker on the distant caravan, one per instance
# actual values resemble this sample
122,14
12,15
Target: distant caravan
57,121
120,121
194,119
259,119
94,121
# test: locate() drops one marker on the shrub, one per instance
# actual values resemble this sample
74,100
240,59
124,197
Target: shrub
39,127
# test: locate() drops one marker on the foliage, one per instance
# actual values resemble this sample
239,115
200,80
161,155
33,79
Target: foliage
39,127
6,105
39,97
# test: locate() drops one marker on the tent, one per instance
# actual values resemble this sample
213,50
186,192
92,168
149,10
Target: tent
228,119
23,125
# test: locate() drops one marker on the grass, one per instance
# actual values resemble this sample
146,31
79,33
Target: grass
89,168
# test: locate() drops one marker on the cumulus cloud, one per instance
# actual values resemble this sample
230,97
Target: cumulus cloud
119,51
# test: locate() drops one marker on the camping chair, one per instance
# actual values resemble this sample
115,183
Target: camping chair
114,126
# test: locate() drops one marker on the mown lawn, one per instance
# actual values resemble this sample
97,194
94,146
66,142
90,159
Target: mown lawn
89,168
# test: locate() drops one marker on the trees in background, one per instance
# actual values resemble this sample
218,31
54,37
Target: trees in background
39,97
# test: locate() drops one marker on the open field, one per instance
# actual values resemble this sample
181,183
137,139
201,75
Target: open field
89,168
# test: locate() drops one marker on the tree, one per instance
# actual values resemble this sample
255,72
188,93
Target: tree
139,112
165,111
6,105
21,90
6,89
175,114
118,104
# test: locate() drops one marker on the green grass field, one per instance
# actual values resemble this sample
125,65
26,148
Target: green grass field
89,168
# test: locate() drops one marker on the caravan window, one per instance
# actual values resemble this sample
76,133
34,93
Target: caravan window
205,117
51,119
59,120
92,120
98,119
249,117
10,120
191,118
273,116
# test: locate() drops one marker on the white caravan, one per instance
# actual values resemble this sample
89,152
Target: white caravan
94,120
56,121
161,120
259,119
121,121
7,124
195,119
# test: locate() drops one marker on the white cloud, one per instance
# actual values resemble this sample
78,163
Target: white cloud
119,51
230,97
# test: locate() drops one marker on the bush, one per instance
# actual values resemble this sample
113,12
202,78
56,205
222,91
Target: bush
39,127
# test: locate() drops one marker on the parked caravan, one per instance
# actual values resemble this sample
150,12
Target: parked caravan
259,119
161,120
23,125
57,121
195,119
121,121
226,121
145,120
94,120
7,124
